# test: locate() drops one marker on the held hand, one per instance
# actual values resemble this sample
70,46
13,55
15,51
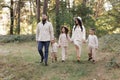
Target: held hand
37,42
59,46
71,41
52,41
84,41
96,48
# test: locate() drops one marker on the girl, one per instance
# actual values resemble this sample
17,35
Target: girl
78,36
92,45
54,50
63,41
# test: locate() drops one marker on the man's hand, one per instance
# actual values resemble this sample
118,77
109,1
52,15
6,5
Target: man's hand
52,41
84,41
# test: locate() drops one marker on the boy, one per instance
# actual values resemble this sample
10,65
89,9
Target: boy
92,45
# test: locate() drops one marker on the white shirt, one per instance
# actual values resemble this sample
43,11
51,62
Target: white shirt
54,47
77,34
44,32
92,41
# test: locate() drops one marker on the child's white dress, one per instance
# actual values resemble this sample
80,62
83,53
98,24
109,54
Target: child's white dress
63,42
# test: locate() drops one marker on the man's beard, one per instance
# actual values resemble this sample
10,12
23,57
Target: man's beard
43,21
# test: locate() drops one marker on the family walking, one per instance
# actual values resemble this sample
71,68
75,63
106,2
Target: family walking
45,38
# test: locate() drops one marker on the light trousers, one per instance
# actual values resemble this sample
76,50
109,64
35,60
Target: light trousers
92,51
64,52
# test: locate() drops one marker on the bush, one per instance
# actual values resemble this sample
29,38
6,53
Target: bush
16,38
110,43
113,62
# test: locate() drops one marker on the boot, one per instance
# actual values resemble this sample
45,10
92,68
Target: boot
90,56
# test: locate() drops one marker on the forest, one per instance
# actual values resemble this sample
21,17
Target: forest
22,16
19,57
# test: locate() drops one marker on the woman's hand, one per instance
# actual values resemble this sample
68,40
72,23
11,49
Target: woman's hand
84,41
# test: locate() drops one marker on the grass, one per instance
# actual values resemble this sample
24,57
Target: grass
20,61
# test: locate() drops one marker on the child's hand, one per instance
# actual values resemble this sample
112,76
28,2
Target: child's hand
96,48
71,41
84,41
59,46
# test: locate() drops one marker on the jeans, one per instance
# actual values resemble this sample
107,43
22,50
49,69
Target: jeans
44,44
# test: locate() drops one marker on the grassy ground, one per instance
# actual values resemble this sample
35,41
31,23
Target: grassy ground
20,61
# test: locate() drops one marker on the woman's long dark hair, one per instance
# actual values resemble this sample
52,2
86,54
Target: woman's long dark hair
66,30
79,23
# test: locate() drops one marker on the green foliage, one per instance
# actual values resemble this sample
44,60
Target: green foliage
64,17
110,43
109,21
112,63
85,12
16,38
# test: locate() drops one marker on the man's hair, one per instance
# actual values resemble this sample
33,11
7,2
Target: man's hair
93,29
44,14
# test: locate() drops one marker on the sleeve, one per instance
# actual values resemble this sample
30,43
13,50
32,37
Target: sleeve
37,32
72,37
96,40
68,37
51,32
84,33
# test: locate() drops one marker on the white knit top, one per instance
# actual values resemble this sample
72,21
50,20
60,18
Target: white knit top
77,34
44,32
92,41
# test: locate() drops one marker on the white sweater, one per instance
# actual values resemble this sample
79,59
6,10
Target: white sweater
44,32
92,41
54,47
77,34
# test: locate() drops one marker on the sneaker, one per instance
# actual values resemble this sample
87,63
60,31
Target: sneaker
93,61
56,59
63,60
78,60
46,64
89,58
42,60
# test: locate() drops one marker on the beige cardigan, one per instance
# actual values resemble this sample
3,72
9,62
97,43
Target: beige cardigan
44,32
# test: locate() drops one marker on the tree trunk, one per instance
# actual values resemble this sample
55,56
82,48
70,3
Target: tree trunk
12,18
57,18
38,10
45,6
84,2
18,26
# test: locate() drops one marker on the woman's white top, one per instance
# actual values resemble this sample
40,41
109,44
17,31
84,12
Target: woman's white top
77,34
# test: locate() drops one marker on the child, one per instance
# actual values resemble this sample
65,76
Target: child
54,50
92,45
63,41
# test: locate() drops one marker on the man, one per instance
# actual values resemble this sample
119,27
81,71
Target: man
44,35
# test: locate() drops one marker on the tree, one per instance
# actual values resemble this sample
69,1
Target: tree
57,18
18,21
38,10
12,18
45,6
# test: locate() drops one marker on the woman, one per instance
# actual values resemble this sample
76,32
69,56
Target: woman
78,36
